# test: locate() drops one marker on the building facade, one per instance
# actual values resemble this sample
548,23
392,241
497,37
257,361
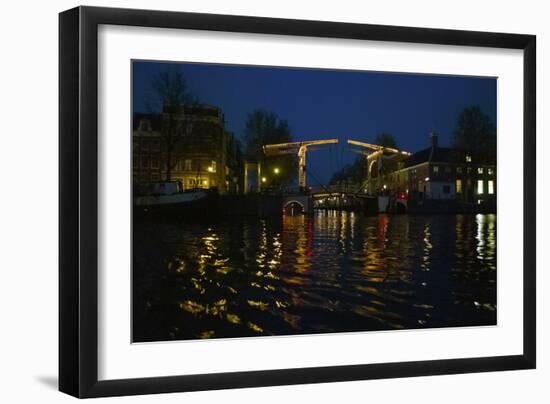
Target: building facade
187,144
440,173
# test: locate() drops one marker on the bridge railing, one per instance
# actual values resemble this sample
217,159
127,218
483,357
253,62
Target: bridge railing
338,188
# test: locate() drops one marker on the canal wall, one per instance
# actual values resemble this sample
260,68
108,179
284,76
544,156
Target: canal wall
259,205
434,206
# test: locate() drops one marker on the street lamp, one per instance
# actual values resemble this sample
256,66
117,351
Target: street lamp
264,179
276,170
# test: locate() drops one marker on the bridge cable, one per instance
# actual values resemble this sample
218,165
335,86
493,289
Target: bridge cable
308,172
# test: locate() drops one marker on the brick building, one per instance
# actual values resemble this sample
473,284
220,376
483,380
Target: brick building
441,173
203,154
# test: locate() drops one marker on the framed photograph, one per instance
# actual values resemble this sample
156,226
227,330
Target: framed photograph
251,201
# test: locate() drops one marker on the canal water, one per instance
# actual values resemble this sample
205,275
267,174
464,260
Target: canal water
331,272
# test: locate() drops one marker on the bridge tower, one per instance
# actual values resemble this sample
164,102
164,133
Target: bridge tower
376,154
297,148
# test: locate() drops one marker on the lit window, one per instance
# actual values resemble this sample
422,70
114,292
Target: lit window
436,169
480,186
187,165
458,186
491,187
480,170
213,166
468,158
490,171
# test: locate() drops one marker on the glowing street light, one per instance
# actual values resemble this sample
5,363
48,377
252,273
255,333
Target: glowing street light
276,170
264,179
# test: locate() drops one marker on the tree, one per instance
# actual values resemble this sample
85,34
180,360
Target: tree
357,171
264,127
386,139
172,94
354,172
475,133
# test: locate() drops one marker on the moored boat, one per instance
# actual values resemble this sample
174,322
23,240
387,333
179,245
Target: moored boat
167,199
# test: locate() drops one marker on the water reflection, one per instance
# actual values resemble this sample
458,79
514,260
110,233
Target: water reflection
333,272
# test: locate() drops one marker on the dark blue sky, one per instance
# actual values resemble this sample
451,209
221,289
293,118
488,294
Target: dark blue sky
321,104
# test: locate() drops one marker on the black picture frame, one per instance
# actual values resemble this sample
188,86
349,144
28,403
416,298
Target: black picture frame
78,201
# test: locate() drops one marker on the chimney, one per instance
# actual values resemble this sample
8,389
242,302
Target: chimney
433,137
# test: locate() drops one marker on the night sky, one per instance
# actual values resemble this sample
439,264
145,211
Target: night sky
322,104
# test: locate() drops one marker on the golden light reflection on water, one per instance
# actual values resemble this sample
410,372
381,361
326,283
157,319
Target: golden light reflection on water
486,237
427,248
335,271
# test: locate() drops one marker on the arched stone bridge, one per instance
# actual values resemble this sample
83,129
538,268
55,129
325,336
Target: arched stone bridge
305,201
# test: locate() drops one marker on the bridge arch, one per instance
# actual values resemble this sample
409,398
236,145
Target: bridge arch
291,201
293,206
303,202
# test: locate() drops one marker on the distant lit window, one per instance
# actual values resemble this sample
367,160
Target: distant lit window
187,165
468,158
480,170
491,187
459,170
436,169
213,165
480,187
490,171
458,186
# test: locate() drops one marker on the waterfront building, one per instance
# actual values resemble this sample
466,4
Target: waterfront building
189,144
441,173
